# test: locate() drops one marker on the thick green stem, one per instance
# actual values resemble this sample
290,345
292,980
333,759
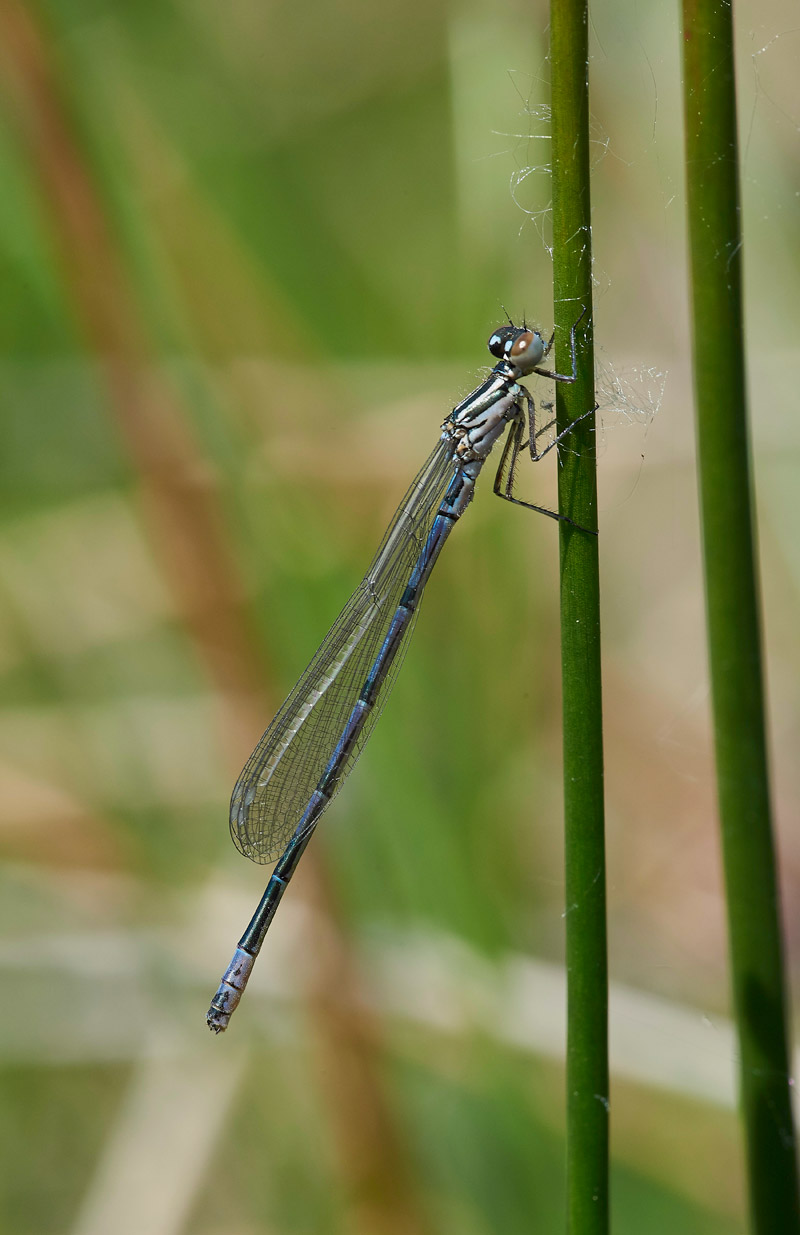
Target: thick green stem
734,628
587,999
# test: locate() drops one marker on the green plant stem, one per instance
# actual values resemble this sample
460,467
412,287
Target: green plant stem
734,628
587,967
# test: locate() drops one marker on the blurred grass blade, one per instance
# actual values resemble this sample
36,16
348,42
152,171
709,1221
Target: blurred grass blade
587,995
188,533
734,630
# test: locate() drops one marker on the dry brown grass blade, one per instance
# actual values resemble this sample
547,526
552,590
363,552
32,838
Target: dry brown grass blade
188,537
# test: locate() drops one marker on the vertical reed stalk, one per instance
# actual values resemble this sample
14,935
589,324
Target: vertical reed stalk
587,997
734,626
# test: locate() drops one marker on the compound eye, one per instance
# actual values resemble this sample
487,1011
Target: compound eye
500,341
527,351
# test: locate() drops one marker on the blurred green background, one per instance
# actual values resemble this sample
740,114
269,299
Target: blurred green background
251,254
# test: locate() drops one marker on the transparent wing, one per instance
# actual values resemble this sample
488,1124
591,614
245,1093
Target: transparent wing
281,774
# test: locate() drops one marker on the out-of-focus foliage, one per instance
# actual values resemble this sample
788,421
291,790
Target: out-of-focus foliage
316,215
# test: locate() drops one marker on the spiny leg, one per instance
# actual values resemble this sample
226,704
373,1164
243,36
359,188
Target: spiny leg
564,377
536,455
511,444
534,433
503,484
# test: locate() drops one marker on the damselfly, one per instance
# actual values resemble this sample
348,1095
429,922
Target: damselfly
313,742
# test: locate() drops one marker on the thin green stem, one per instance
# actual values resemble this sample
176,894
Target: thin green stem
587,967
734,627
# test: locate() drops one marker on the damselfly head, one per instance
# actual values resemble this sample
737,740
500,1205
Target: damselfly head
520,347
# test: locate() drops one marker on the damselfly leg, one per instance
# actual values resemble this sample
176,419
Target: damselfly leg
514,445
